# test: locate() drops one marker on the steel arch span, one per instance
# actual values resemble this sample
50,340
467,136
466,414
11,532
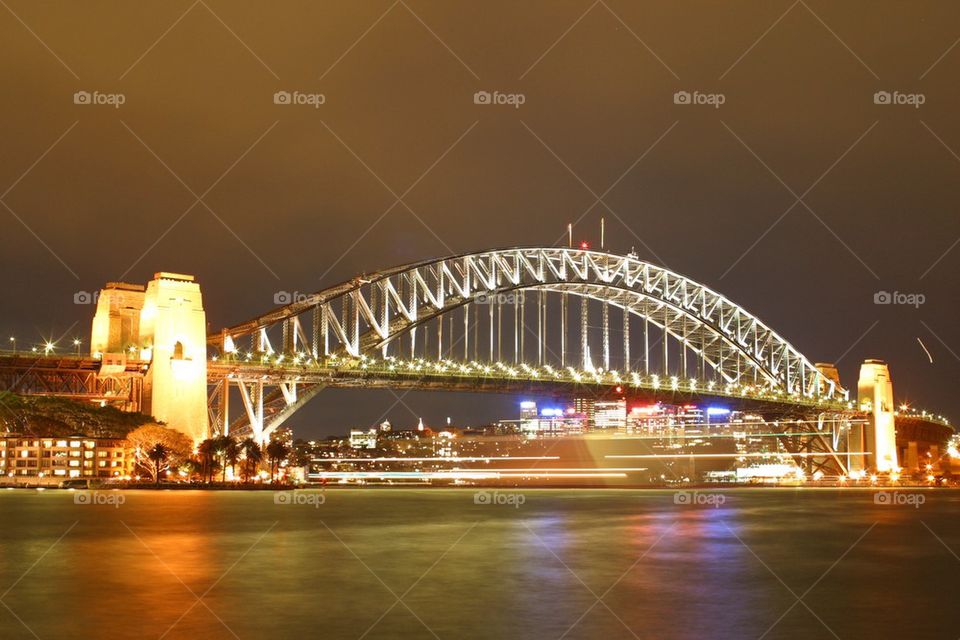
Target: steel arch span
538,314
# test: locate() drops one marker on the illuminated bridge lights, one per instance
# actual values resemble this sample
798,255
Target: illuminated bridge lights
425,369
458,475
458,322
738,456
438,459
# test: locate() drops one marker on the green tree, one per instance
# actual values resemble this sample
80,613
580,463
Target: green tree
143,439
252,456
158,454
276,451
191,467
207,452
229,453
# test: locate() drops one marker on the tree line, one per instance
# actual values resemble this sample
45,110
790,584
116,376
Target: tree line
160,451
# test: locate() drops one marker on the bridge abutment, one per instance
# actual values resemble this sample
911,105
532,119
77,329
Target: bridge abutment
163,323
874,445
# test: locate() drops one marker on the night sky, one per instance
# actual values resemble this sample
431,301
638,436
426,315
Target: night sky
799,197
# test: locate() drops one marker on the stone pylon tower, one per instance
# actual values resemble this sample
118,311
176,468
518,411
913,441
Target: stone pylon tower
165,325
878,437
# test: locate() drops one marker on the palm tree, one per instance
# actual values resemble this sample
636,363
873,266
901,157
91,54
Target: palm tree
207,452
191,467
252,456
229,453
158,454
276,451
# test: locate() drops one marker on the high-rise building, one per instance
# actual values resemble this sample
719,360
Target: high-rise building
585,407
650,419
528,410
689,414
610,414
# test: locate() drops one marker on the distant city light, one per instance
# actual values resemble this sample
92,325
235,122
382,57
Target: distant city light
646,410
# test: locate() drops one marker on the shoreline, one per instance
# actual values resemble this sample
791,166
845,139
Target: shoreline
490,487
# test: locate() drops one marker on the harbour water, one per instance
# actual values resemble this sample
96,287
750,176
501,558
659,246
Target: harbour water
469,563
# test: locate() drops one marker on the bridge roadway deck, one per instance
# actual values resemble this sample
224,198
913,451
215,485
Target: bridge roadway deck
31,373
477,379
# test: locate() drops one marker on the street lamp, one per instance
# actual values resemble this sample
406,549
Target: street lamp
13,341
47,348
76,343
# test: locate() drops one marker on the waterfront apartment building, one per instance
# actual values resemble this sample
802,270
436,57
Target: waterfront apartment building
34,457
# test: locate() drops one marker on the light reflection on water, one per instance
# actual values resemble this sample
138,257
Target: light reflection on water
236,564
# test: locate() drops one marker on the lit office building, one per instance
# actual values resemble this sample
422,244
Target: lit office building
689,414
360,439
586,408
750,433
552,423
549,422
717,417
528,410
610,414
650,419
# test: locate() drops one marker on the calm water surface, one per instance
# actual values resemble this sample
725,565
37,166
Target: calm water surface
394,563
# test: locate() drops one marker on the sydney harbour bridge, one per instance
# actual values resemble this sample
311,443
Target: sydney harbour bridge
545,321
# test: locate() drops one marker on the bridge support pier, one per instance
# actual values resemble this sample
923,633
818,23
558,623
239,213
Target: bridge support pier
912,462
875,443
164,324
